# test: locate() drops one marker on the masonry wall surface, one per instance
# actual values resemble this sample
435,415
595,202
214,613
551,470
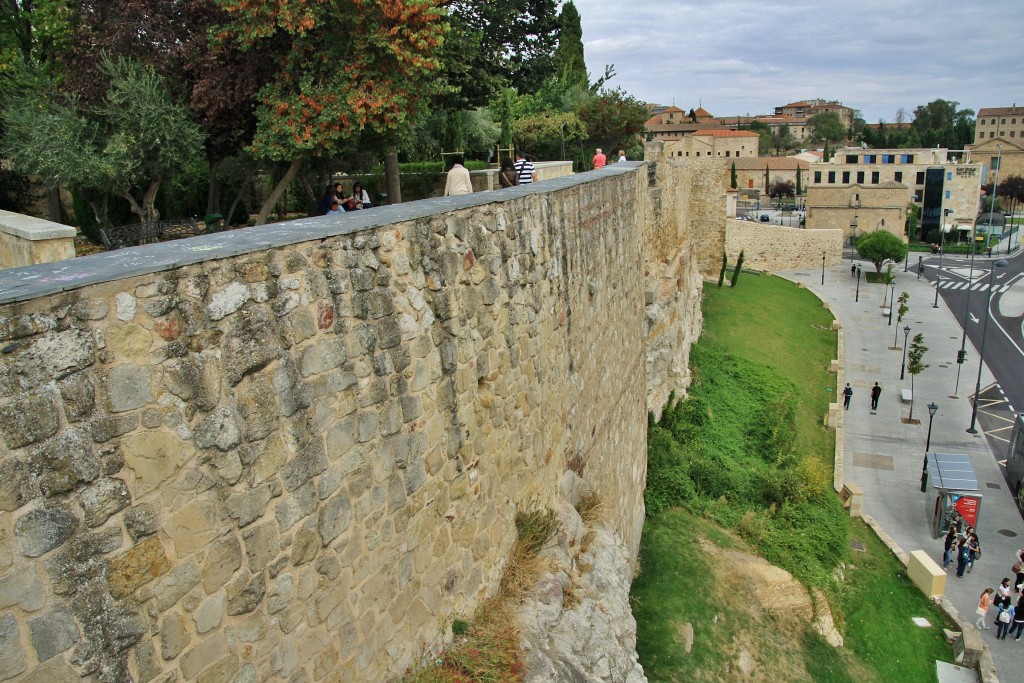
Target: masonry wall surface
770,247
298,451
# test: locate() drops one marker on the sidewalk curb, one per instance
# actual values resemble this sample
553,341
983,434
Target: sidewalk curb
986,668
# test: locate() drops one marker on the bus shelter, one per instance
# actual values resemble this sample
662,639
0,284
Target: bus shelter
952,491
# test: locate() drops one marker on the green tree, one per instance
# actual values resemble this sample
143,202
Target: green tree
915,364
783,140
941,123
732,176
366,75
767,178
1011,188
543,134
721,273
881,246
764,134
736,270
901,311
569,60
126,145
799,183
613,119
827,126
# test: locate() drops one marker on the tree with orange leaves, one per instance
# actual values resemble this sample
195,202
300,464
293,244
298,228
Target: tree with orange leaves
345,68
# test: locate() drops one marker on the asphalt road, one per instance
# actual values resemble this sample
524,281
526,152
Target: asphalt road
970,292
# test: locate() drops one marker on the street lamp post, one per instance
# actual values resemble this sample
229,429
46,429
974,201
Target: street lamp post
935,304
933,408
942,233
962,354
823,267
1001,263
853,236
920,265
906,335
892,300
857,298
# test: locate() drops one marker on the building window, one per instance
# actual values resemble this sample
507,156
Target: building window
947,194
1013,121
817,176
726,152
869,158
949,175
888,158
846,177
898,176
906,158
995,164
851,158
874,177
1013,133
991,135
831,177
920,178
860,177
1003,122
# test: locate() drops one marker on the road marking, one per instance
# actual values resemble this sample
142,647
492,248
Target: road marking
973,319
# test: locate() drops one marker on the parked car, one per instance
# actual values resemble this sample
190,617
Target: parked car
789,207
765,218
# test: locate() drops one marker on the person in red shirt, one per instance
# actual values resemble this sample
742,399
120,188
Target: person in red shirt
600,159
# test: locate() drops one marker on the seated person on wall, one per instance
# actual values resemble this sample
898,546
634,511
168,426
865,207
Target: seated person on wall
458,181
360,199
330,195
335,208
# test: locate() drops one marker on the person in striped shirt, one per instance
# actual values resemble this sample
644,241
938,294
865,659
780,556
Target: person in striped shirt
525,169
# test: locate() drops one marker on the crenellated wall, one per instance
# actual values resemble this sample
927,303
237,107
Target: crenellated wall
299,449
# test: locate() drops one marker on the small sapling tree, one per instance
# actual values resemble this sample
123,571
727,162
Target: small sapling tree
900,312
915,356
721,273
736,270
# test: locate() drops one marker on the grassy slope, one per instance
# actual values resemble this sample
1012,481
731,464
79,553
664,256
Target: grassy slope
769,321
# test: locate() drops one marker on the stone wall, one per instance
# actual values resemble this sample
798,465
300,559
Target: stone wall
297,451
25,240
770,247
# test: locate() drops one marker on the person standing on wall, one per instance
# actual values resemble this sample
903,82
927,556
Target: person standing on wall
524,169
847,395
876,391
458,181
599,159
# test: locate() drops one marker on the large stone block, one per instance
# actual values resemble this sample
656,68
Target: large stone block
128,387
53,632
28,420
137,567
154,457
12,654
42,530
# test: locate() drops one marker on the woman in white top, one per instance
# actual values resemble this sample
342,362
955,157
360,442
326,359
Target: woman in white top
361,198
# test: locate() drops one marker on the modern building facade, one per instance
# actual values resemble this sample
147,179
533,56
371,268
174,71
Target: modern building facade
927,176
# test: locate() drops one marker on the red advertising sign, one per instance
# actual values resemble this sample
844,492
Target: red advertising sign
967,506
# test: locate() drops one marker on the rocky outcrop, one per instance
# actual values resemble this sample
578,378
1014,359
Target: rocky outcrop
579,626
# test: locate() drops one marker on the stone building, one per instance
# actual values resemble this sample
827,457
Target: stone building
755,173
999,153
807,109
715,143
999,122
858,208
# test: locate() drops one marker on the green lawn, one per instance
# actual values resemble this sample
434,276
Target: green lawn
746,320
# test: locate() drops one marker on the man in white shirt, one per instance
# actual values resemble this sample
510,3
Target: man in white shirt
524,169
458,181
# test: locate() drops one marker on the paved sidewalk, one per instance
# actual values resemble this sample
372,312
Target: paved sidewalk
884,456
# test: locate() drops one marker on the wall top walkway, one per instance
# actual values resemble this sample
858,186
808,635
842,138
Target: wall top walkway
22,284
32,228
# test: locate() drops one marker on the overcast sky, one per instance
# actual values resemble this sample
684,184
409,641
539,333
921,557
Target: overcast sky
749,56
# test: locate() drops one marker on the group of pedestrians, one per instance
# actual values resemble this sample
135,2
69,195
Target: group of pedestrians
510,174
335,200
1009,617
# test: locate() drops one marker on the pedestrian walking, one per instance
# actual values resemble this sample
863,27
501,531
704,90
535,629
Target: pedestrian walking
983,604
853,270
876,391
1002,594
1018,619
963,556
858,271
1004,620
847,395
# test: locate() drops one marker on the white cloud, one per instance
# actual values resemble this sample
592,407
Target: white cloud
749,56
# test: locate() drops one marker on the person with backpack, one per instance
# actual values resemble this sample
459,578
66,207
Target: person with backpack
963,557
1004,619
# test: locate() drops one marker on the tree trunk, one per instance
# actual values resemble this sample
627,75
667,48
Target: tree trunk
310,193
54,207
147,212
278,190
213,189
238,197
911,397
99,209
392,176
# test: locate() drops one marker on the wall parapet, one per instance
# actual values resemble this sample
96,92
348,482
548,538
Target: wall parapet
26,240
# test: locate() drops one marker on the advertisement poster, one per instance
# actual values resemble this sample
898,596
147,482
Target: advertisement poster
967,506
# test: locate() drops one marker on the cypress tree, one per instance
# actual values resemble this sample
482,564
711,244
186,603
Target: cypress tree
736,270
721,273
799,184
732,176
572,68
767,177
